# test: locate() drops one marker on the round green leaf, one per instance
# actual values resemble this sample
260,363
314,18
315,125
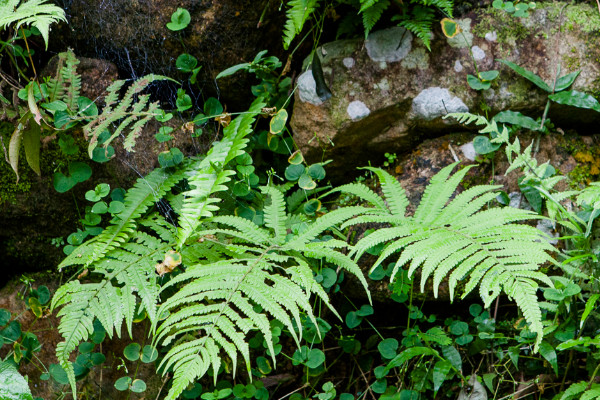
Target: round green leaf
86,107
329,277
138,386
264,365
97,358
100,208
43,294
482,145
278,122
62,183
487,76
296,158
305,181
212,107
459,328
12,332
86,347
116,207
316,357
316,171
312,206
241,189
149,354
4,316
103,154
80,171
180,19
122,384
58,374
132,351
352,320
67,144
365,310
186,62
294,172
387,348
476,83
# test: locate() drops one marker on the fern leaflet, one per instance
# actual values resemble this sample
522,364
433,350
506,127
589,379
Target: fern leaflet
31,12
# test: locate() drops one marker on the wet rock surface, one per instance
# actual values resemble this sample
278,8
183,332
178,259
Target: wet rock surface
390,93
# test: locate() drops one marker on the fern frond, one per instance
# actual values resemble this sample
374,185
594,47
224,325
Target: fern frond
420,24
211,176
298,12
446,6
460,239
138,199
372,13
66,84
127,275
129,109
36,13
363,192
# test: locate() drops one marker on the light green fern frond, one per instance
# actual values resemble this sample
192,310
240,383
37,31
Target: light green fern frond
298,12
212,173
129,113
267,267
459,239
446,6
127,278
30,12
138,199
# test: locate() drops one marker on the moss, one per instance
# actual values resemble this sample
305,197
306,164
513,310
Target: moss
581,16
571,63
508,28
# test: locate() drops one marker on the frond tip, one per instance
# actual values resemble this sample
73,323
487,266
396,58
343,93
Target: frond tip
458,238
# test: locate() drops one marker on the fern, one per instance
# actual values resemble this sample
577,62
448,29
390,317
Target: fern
270,269
455,238
297,14
129,113
66,85
420,23
36,13
212,175
371,11
126,275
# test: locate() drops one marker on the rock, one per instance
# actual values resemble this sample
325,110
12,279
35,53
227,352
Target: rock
407,89
133,35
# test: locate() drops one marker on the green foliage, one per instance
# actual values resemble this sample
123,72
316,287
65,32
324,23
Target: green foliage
12,384
130,113
456,238
297,14
36,13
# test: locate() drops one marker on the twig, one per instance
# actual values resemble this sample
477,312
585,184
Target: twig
166,378
453,153
289,394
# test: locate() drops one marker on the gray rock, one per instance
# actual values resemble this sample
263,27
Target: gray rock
435,102
307,89
357,110
389,45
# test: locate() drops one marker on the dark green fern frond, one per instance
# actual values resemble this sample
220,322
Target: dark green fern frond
129,113
66,85
212,173
298,12
459,239
446,6
372,13
420,23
